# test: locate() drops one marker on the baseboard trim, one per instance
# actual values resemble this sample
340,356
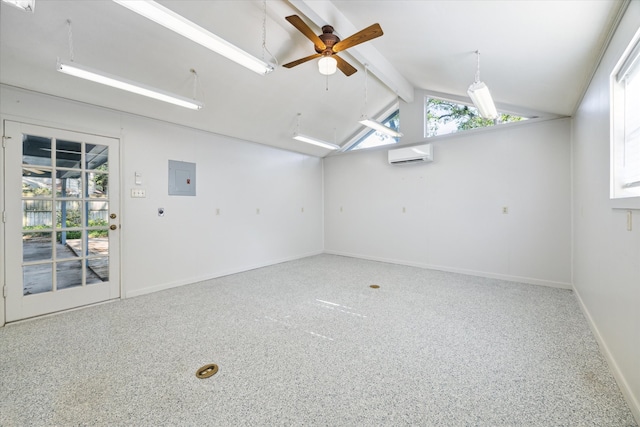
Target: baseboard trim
632,401
490,275
216,275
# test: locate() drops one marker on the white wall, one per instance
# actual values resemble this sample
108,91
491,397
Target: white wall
192,243
453,216
606,254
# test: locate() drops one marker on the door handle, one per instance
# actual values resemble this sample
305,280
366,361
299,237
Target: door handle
113,227
112,216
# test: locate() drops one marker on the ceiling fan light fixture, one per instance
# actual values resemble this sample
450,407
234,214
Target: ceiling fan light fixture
128,85
373,124
179,24
314,141
26,5
481,98
327,65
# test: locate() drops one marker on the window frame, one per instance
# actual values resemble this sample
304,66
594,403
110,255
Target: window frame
459,102
365,131
623,195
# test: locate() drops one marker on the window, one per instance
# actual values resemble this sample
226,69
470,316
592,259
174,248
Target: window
376,139
443,117
625,124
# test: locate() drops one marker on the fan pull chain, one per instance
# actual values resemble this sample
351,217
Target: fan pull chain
478,69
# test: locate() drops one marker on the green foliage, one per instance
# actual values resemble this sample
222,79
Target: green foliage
458,117
101,180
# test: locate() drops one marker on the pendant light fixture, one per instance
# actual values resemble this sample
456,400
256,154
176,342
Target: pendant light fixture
481,97
179,24
73,69
310,140
374,124
87,73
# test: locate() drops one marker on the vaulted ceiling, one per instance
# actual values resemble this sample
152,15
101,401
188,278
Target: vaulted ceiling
537,56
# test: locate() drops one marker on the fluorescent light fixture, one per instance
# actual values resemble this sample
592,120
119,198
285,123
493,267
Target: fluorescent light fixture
177,23
128,85
481,97
379,127
319,143
327,65
27,5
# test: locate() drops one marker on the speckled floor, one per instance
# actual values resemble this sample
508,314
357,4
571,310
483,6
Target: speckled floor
309,342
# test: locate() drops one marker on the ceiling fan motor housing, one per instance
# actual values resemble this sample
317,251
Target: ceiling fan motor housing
329,39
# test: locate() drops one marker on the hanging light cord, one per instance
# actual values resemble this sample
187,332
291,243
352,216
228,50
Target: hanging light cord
478,69
366,79
264,35
70,37
195,83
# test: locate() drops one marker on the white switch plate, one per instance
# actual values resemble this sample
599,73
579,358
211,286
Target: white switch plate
138,193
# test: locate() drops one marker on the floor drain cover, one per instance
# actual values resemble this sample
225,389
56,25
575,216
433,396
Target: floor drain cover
207,371
374,286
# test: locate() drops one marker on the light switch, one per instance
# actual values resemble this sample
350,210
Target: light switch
138,178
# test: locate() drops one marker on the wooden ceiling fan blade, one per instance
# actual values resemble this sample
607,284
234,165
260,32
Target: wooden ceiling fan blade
302,60
297,22
371,32
344,66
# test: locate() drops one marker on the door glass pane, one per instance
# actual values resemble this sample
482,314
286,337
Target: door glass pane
36,246
98,214
68,154
68,213
98,242
98,183
37,278
37,214
68,274
36,182
96,157
68,244
68,183
98,270
36,150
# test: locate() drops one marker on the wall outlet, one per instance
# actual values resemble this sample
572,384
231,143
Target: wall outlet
505,210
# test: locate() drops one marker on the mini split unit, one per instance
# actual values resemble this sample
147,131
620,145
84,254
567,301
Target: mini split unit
415,154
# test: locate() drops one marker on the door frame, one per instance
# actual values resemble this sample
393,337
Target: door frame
4,118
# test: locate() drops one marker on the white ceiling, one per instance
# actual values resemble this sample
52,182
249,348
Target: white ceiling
535,56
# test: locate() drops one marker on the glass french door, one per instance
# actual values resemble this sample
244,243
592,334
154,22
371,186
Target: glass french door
62,219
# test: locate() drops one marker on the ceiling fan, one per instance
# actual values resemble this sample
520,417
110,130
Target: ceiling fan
327,45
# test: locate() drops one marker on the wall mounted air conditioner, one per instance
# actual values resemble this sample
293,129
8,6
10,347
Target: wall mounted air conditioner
415,154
